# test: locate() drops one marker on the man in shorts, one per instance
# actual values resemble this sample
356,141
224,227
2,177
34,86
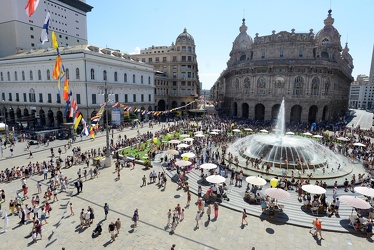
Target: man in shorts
314,227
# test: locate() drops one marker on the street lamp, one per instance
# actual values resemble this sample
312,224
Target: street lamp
6,126
104,91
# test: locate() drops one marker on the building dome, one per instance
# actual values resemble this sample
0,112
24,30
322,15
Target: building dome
328,35
243,41
185,37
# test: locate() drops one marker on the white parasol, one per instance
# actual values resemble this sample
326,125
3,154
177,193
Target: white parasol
255,180
183,145
313,189
365,191
317,136
264,131
213,133
215,179
359,144
277,193
342,139
183,163
188,139
172,152
189,155
208,166
236,130
354,202
174,141
199,135
184,135
290,133
307,133
248,129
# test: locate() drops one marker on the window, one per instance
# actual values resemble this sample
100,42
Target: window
183,58
149,80
17,97
39,75
92,74
8,76
141,79
149,97
77,76
49,98
315,86
261,85
1,76
325,41
10,97
157,59
298,86
3,96
104,75
78,96
48,74
125,77
67,73
126,98
32,95
115,77
143,60
133,78
31,76
281,53
164,59
24,97
327,86
40,97
93,98
247,85
134,97
174,58
300,53
58,98
23,76
263,54
142,98
149,60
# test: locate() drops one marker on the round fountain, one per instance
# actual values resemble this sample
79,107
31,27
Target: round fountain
280,152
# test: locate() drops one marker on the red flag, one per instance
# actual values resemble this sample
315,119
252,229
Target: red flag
57,68
115,105
66,89
31,7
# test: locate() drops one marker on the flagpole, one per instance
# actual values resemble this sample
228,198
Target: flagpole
108,160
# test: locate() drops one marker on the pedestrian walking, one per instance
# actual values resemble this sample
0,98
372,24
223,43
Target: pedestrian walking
118,225
111,230
182,215
135,218
209,211
319,228
197,218
215,210
71,209
188,199
106,210
30,154
144,181
244,217
313,228
169,216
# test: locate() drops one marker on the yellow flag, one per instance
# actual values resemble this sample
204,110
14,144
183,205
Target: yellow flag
54,40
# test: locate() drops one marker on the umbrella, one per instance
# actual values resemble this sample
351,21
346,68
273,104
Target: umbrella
215,179
365,191
199,132
317,136
313,189
216,130
264,131
290,133
184,135
248,129
236,130
359,144
354,202
213,133
255,180
188,139
307,133
175,141
189,155
199,135
277,193
208,166
183,163
172,152
183,145
342,139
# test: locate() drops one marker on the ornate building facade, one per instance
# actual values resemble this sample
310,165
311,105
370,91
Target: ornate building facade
312,72
176,78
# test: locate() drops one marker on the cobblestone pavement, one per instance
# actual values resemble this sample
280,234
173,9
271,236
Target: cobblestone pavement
125,195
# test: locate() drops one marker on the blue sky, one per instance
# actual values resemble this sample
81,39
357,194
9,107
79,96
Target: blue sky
132,25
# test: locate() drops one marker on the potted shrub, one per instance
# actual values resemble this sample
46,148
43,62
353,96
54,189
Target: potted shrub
147,164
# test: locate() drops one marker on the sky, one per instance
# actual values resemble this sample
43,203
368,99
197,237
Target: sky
133,25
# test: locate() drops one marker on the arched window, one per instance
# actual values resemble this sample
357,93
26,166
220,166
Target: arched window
125,77
247,85
92,74
149,80
237,84
279,86
261,85
8,76
104,75
327,86
77,75
133,78
15,76
48,75
67,73
141,79
325,41
115,77
31,76
23,76
32,95
315,86
298,86
39,75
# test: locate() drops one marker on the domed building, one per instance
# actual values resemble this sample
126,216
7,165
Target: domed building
311,71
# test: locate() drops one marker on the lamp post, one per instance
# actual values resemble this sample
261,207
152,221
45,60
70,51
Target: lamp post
108,158
6,126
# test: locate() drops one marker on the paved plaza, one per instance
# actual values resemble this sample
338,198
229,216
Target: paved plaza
125,195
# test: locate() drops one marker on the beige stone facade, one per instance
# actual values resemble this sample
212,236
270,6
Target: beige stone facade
176,77
312,72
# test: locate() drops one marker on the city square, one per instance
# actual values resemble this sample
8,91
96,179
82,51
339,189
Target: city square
186,125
